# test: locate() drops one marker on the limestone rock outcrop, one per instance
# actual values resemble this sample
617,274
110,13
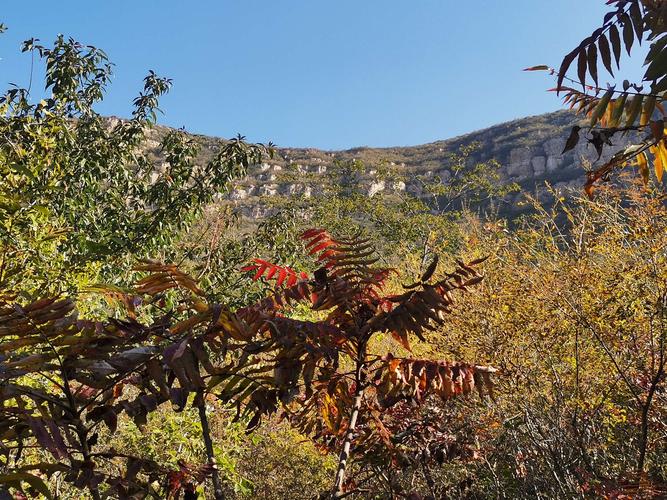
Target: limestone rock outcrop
529,151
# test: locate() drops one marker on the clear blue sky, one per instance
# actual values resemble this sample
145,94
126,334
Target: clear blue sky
322,73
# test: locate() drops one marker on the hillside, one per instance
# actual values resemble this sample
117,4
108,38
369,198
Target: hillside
529,151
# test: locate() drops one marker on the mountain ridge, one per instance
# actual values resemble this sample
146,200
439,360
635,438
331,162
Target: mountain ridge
529,151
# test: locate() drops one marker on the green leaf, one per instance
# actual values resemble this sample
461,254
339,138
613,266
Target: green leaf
22,169
634,109
619,106
599,110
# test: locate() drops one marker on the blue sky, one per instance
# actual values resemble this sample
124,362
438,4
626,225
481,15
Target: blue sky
326,74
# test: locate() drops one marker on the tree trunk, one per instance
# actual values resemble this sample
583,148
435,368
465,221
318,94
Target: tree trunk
208,443
646,409
85,451
349,437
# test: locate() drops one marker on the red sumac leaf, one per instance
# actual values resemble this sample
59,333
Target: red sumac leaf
478,261
282,274
540,67
582,62
605,53
615,39
628,34
565,65
320,247
592,59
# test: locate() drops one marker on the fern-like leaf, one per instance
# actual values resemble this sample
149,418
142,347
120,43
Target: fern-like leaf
268,271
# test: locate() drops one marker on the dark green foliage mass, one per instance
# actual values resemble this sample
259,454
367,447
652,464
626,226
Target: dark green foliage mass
80,197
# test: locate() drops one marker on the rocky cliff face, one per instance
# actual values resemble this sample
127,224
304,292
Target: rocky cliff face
529,151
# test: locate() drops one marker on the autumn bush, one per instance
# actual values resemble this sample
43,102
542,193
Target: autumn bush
573,314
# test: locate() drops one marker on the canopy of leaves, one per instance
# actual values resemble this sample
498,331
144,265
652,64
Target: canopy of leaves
620,108
80,195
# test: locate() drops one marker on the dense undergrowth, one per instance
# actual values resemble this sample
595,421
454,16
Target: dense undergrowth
153,344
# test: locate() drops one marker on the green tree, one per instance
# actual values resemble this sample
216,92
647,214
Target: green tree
82,196
401,223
